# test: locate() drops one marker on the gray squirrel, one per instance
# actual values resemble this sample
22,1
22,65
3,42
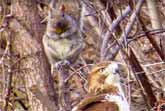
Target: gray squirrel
63,39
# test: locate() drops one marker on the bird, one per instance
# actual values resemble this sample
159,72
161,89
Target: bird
104,90
161,105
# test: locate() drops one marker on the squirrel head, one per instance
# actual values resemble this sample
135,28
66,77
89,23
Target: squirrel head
58,20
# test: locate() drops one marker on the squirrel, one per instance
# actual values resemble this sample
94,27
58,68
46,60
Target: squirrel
63,39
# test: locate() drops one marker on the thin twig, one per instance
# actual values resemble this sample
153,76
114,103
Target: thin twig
9,76
4,53
76,71
151,32
158,63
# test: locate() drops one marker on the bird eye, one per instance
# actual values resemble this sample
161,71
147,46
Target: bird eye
102,69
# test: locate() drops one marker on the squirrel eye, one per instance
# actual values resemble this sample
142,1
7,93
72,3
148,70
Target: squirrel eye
63,15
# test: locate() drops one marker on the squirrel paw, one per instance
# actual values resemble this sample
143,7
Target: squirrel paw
61,63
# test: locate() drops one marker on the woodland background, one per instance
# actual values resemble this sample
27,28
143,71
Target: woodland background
134,36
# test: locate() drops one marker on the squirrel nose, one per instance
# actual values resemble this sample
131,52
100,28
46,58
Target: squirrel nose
59,24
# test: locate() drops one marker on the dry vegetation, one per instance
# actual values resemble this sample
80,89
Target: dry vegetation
128,31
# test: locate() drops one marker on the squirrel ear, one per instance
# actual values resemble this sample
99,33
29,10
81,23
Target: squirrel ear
62,8
51,7
52,4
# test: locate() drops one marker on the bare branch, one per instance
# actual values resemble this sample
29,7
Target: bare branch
111,29
127,29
